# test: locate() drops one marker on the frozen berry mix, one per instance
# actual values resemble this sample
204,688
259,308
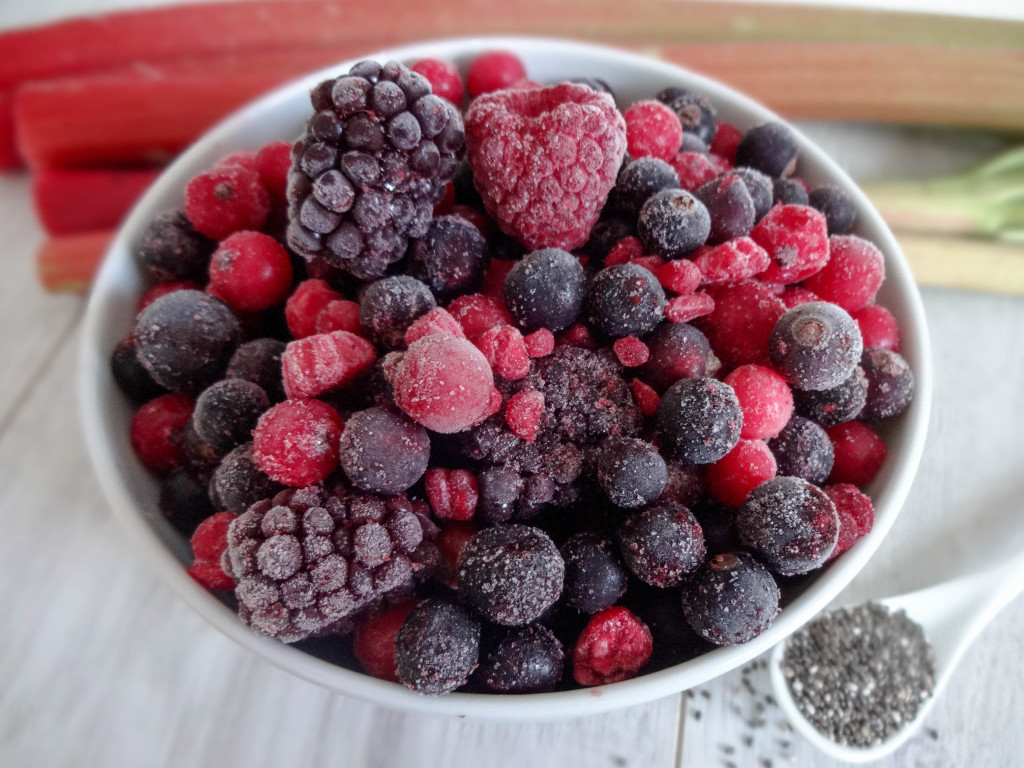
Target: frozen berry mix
478,374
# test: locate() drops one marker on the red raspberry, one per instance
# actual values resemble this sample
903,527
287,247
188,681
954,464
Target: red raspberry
647,399
452,493
853,275
305,304
579,335
296,442
720,164
744,317
493,71
225,200
651,262
683,309
477,314
444,383
795,295
631,351
244,158
726,139
208,544
624,251
250,272
544,160
444,78
652,129
451,542
765,399
741,470
523,414
272,163
856,515
493,284
859,453
796,238
374,641
162,289
325,362
613,646
436,320
878,328
731,262
540,343
694,169
505,350
680,276
158,432
339,315
446,203
210,575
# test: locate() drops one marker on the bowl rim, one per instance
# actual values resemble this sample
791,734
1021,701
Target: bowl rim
93,371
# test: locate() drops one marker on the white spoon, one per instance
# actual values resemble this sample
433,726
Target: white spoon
952,614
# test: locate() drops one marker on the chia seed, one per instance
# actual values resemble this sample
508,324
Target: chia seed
860,674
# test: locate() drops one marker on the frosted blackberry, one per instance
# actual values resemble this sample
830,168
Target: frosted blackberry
673,223
387,308
678,351
527,660
640,179
769,148
815,345
437,648
259,361
730,206
450,258
890,384
693,110
631,472
626,300
836,405
594,577
662,544
546,289
130,375
759,186
383,450
802,449
837,206
789,192
237,483
171,249
371,164
227,411
700,419
731,600
184,501
511,574
308,558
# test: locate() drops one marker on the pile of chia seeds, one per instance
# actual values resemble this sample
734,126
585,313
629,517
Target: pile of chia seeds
860,674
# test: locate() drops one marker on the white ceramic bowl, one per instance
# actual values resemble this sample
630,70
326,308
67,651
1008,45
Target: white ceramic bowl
133,492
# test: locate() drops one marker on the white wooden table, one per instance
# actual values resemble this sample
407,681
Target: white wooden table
101,666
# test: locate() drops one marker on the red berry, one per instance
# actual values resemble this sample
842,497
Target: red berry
162,289
209,540
505,350
244,158
651,262
540,343
579,335
452,493
795,295
680,276
305,304
446,203
272,163
742,322
374,641
296,442
878,327
720,164
339,315
451,542
683,309
614,646
859,453
631,351
523,414
492,71
226,200
765,399
694,169
477,314
444,78
325,362
796,238
726,139
731,262
158,431
741,470
210,575
647,399
250,272
856,515
652,129
436,320
624,251
853,275
493,284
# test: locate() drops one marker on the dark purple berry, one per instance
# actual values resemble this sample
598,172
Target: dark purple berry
789,192
626,300
527,660
227,411
605,234
693,143
837,405
259,361
171,249
387,308
693,110
184,501
815,345
731,600
700,419
437,648
130,375
465,190
594,577
760,188
837,207
631,472
890,384
237,483
595,84
640,179
730,206
662,544
677,351
802,449
383,451
450,259
716,521
673,223
547,289
685,484
769,148
499,489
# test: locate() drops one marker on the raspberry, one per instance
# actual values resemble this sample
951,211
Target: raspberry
387,308
296,442
803,449
878,328
436,320
625,300
646,397
732,600
693,169
796,239
443,77
853,275
493,71
795,295
250,272
171,249
523,414
158,432
450,258
856,515
326,362
437,648
727,138
272,163
547,289
162,289
673,223
305,304
631,472
837,207
244,158
815,346
259,361
505,350
225,200
382,451
683,309
631,352
374,641
678,351
735,475
742,322
545,159
614,646
477,313
527,660
681,276
579,335
339,315
624,251
209,541
770,148
890,384
540,343
452,493
652,130
731,262
765,399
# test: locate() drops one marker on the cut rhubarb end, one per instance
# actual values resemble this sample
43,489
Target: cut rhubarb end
68,264
72,202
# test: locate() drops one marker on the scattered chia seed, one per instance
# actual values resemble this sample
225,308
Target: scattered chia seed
748,741
860,674
705,693
727,748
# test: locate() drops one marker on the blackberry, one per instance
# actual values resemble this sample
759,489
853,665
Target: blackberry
760,188
308,558
450,258
802,449
700,419
186,339
546,290
131,376
371,164
626,300
662,544
731,600
673,223
769,148
693,110
815,345
527,660
383,451
237,483
437,648
594,577
836,405
631,472
387,308
511,574
789,192
678,351
259,361
640,179
837,207
890,384
183,500
171,249
227,411
730,206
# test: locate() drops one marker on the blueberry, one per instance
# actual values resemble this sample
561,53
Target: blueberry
631,472
450,259
673,223
693,110
130,375
693,143
700,419
662,544
594,577
802,449
183,500
837,207
815,345
527,660
171,249
890,384
546,289
678,351
595,84
383,451
437,647
639,180
626,300
789,192
836,405
731,600
237,483
760,188
770,148
605,234
227,411
387,307
259,361
730,206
